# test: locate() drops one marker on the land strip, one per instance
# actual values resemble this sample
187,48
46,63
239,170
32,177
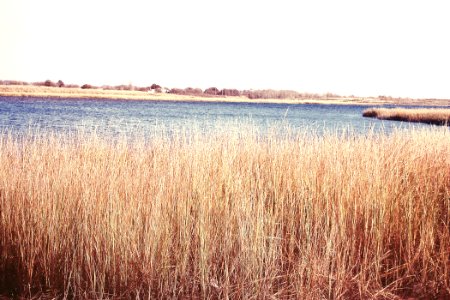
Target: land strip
439,116
79,93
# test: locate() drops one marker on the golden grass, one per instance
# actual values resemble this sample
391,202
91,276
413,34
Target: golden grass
437,116
234,216
78,93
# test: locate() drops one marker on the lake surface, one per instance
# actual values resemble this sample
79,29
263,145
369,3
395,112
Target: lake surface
144,118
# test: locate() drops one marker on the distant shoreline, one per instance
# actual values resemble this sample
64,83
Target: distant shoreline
79,93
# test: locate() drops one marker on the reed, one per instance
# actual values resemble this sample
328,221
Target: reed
32,91
226,216
434,116
108,94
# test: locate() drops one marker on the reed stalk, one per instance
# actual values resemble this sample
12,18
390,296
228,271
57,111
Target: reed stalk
303,216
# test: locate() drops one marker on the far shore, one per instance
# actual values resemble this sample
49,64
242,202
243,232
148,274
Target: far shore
79,93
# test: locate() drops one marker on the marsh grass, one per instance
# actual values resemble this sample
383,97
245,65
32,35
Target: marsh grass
99,93
436,116
105,92
226,216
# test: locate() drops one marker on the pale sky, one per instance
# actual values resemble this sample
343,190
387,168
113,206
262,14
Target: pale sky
366,48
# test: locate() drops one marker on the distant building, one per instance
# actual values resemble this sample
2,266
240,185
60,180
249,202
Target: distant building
159,90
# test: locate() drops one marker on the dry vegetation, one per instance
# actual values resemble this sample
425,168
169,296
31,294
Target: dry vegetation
439,116
50,89
105,93
236,216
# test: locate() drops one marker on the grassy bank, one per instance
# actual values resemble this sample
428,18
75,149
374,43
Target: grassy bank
233,216
56,92
430,116
79,93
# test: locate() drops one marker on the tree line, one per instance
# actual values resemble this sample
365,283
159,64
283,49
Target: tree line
211,91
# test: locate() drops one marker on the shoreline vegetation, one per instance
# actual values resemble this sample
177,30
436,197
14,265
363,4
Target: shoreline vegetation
301,216
49,89
439,116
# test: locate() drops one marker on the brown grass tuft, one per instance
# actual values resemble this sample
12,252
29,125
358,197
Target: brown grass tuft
233,216
439,116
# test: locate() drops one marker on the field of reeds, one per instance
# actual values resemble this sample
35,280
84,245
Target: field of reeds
239,215
77,93
436,116
189,94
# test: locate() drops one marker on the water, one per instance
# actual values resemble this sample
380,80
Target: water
144,118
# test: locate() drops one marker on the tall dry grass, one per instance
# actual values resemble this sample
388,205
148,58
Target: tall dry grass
98,93
234,216
68,92
437,116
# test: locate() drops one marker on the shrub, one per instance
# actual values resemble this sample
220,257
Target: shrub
86,86
212,91
72,86
176,91
50,83
229,92
193,91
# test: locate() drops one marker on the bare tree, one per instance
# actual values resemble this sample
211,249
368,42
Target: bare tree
212,91
49,83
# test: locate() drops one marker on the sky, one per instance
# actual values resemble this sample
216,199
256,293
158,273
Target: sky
348,47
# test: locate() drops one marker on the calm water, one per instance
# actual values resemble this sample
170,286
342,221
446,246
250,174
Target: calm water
144,118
